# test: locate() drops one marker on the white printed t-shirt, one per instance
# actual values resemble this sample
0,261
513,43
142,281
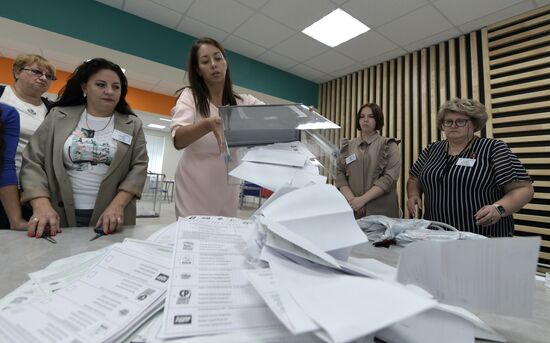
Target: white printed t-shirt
87,155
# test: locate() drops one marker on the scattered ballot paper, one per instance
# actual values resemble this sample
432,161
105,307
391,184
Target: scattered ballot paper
272,176
208,292
106,304
346,307
318,213
272,156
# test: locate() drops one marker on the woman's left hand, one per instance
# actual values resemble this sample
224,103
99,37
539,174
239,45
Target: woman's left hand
111,219
357,203
487,215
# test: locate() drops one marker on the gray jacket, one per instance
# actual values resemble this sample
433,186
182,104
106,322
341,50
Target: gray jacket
44,175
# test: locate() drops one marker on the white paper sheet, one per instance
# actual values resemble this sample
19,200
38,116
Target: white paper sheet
430,326
346,307
298,319
209,293
292,146
62,272
273,176
263,282
105,304
272,156
26,293
481,330
371,268
150,331
320,214
490,275
166,235
281,238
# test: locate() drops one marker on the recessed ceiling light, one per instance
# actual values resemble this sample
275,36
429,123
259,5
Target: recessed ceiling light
335,28
156,126
164,119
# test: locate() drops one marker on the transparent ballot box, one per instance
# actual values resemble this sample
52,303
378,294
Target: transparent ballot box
268,124
276,140
151,196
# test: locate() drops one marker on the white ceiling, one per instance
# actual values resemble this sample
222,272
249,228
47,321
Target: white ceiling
270,30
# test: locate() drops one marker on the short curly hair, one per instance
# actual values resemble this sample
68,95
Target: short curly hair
24,60
473,109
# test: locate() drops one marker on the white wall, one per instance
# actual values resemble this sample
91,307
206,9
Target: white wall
171,156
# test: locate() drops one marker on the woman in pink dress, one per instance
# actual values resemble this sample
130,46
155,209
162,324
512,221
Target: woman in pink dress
201,177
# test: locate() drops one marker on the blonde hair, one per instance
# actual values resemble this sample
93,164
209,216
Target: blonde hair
22,61
473,109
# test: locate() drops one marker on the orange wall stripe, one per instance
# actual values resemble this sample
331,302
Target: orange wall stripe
138,99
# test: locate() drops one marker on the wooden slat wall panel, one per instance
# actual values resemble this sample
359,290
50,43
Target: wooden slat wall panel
399,118
410,89
385,97
353,110
407,127
416,124
347,112
519,81
391,115
425,115
506,66
434,134
452,70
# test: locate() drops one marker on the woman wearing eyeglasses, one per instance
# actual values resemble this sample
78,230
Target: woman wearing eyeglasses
33,76
474,184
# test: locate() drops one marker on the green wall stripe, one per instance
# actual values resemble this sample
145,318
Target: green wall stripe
94,22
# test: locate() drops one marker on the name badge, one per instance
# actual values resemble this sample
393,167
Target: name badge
466,162
350,158
122,137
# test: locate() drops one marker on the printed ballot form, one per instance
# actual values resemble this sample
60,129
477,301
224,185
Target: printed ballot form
208,292
106,304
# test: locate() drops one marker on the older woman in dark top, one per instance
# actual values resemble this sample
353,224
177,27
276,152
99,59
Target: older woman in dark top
471,183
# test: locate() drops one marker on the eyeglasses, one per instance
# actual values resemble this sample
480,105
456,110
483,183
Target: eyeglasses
458,122
40,73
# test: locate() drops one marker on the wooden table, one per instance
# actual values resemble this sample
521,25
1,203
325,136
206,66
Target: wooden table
21,255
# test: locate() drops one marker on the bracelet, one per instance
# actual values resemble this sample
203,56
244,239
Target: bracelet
501,210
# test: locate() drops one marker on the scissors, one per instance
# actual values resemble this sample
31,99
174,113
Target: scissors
98,233
46,235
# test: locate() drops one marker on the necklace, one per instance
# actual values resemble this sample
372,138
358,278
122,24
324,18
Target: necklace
464,149
88,125
450,159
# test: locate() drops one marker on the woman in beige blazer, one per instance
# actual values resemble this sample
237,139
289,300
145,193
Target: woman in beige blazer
87,162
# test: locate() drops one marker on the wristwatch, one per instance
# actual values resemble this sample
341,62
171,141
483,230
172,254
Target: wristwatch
501,210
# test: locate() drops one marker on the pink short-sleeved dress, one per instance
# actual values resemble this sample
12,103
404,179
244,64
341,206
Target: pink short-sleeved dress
201,177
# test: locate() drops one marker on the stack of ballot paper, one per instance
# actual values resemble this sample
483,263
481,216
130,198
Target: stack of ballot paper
273,166
101,301
284,275
279,272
